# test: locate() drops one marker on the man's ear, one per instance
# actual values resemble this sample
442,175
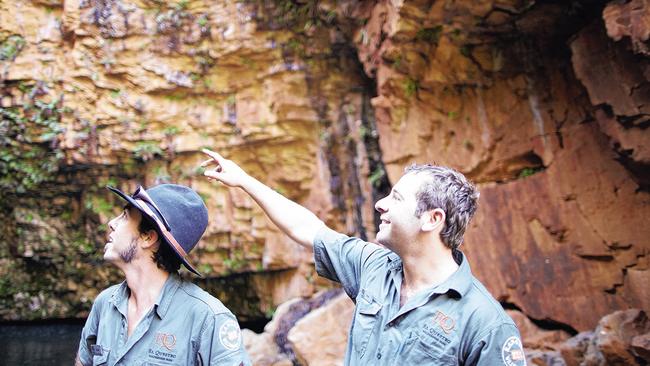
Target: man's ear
149,239
433,219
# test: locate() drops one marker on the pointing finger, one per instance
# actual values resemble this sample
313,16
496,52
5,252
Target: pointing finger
210,174
213,154
208,162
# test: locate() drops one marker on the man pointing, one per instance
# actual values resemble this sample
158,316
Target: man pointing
417,302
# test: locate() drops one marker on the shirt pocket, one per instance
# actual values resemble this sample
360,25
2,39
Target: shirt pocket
426,354
365,322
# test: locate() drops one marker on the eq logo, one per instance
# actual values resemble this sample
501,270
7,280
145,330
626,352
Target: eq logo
166,340
445,322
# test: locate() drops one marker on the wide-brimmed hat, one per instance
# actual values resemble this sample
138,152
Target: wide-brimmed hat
178,212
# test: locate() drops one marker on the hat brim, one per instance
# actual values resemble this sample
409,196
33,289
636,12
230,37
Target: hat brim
135,204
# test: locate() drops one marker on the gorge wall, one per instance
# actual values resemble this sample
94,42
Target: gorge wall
544,104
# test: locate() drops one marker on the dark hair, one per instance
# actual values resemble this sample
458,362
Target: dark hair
450,191
165,257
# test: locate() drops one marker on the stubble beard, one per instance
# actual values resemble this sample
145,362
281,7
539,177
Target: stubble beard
129,253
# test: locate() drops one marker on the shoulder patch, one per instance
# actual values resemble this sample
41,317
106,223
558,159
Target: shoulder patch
512,352
230,335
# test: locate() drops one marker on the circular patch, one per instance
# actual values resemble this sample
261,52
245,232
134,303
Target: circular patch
230,335
512,352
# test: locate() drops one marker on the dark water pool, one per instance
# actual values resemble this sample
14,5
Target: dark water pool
52,343
36,345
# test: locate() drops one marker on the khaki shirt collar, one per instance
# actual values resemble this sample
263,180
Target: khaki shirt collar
120,298
459,282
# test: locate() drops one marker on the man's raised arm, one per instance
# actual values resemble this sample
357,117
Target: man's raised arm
294,220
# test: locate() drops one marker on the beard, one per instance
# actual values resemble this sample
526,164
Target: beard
129,253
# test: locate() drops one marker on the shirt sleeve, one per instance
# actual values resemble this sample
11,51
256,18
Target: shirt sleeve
89,335
221,342
500,346
341,258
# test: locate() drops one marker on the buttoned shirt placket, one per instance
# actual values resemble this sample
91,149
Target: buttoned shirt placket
397,339
120,302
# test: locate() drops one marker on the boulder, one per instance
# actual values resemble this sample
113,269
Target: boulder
619,339
320,338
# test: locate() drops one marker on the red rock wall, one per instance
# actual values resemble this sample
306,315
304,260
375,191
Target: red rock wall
549,115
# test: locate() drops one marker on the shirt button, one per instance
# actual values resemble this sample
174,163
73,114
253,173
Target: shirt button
379,356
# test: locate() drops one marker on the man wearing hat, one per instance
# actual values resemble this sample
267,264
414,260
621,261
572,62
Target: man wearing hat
154,317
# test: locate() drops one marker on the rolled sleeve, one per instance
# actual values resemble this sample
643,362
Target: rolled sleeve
221,342
500,346
341,258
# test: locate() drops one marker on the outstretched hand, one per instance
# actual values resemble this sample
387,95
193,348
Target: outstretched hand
223,170
294,220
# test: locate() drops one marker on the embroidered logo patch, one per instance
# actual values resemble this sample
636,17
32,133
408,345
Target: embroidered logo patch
230,335
512,352
445,322
166,340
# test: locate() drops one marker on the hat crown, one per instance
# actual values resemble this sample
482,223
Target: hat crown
184,211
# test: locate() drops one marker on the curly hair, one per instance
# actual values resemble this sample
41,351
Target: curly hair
450,191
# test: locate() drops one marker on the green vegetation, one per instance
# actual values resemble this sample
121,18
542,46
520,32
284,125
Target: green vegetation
364,132
202,21
100,205
270,312
171,131
11,47
376,177
410,87
176,96
182,5
527,172
29,152
205,269
234,264
111,181
147,150
296,47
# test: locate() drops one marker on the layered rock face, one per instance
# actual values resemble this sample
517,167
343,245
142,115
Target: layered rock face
543,104
121,93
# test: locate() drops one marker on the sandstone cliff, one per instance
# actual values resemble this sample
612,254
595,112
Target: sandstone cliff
543,104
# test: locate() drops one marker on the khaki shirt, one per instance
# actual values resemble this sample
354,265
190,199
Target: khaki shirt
186,326
456,322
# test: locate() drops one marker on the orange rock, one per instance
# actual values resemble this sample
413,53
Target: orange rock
320,338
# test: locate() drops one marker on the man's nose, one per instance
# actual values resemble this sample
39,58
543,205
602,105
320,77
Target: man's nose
379,206
111,224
